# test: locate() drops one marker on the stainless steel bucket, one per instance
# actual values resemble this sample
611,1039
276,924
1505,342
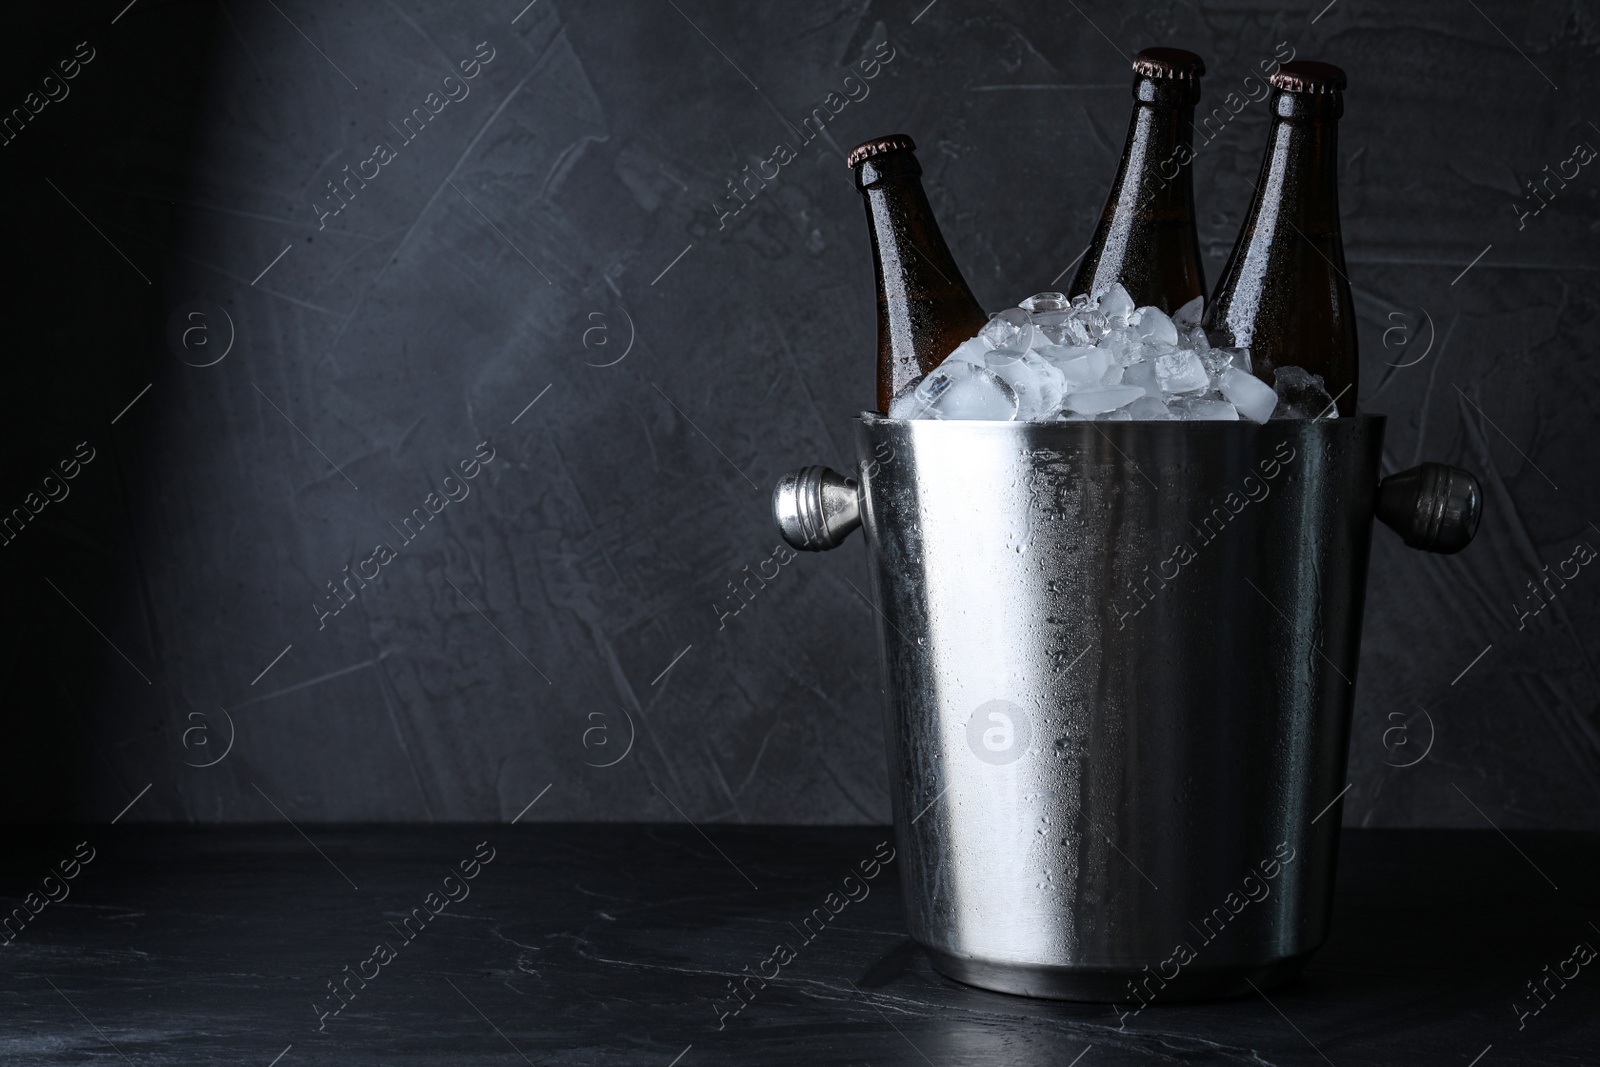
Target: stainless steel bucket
1120,662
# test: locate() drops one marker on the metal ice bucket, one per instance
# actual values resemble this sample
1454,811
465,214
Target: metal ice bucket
1120,662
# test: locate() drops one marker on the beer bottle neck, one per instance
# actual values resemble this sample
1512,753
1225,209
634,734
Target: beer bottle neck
1154,179
1146,237
1298,186
913,261
1284,293
925,308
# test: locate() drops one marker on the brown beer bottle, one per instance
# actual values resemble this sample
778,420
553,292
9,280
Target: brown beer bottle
925,308
1146,238
1284,294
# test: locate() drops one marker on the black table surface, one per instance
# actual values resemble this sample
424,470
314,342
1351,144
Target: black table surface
615,944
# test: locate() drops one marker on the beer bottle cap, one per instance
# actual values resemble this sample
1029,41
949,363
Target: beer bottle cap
1169,63
864,151
1308,76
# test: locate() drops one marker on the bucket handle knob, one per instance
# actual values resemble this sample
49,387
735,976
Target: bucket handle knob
816,508
1433,507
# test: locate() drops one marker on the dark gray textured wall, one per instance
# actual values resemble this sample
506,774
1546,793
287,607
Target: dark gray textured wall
564,237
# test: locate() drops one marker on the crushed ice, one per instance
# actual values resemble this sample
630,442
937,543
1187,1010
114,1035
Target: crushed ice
1051,359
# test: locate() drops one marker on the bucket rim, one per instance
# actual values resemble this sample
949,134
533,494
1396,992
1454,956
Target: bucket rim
878,421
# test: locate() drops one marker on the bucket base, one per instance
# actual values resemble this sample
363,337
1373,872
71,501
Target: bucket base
1105,985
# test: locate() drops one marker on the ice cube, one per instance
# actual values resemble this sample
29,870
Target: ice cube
999,357
1014,316
1117,350
959,390
1023,339
1239,357
1036,382
1216,363
1085,326
1095,401
1116,305
1152,324
1301,395
1144,376
1188,316
1123,345
1048,335
908,404
1148,408
1199,408
1053,390
1253,397
1010,330
1045,302
1062,353
1181,372
1101,357
1149,353
1050,328
1086,371
973,350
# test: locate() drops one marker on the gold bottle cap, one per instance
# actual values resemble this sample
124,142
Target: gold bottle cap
1308,76
1169,63
864,151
